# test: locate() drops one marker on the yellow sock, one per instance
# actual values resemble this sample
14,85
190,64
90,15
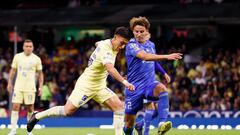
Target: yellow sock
14,119
118,119
54,111
29,115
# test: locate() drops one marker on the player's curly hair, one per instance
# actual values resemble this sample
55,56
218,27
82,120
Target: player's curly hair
142,21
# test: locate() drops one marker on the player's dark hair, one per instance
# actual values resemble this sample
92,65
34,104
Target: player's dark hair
123,32
27,41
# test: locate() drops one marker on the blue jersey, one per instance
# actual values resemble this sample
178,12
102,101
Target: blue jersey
140,72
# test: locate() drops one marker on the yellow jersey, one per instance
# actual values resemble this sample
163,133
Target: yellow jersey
26,71
95,75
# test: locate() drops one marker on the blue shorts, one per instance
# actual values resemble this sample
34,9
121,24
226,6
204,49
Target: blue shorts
134,99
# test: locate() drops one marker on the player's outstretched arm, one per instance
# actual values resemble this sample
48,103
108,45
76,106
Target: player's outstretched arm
115,74
160,69
154,57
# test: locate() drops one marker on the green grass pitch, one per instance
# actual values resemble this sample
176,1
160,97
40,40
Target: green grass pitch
97,131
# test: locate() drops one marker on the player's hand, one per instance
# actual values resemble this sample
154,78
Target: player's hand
10,88
128,85
167,77
39,91
174,56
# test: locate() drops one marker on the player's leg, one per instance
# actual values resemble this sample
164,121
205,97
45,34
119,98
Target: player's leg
14,118
65,110
155,114
149,113
133,103
139,122
116,106
29,99
30,109
111,100
17,100
76,99
129,122
163,108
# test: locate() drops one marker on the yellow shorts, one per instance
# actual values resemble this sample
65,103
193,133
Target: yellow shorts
81,96
28,98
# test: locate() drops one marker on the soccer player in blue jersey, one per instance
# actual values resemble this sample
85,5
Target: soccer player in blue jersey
150,105
141,56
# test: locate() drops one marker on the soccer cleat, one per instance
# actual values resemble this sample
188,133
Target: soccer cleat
32,122
139,128
163,128
12,132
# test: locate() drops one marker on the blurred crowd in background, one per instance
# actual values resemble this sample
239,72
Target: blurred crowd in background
96,3
210,83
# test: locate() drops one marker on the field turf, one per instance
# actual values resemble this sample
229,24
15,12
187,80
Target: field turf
97,131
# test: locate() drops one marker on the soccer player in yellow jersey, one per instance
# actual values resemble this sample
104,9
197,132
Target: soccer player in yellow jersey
92,83
26,64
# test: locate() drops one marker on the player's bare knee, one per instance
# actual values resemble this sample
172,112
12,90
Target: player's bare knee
159,89
68,111
118,107
30,108
16,107
129,123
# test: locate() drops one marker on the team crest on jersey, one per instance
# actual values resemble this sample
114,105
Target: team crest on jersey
108,56
84,98
134,46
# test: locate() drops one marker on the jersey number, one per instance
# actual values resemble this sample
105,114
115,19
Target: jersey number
91,59
128,105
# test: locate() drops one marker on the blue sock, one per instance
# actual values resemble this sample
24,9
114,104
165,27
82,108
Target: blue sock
139,124
155,114
128,131
163,106
147,119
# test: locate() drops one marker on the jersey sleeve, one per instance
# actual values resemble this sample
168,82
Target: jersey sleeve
159,68
107,58
132,49
14,62
106,55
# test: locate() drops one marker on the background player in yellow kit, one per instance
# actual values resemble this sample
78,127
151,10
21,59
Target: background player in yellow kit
92,83
26,64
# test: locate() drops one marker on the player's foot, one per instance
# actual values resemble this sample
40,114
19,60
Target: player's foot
139,128
164,127
32,122
13,132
